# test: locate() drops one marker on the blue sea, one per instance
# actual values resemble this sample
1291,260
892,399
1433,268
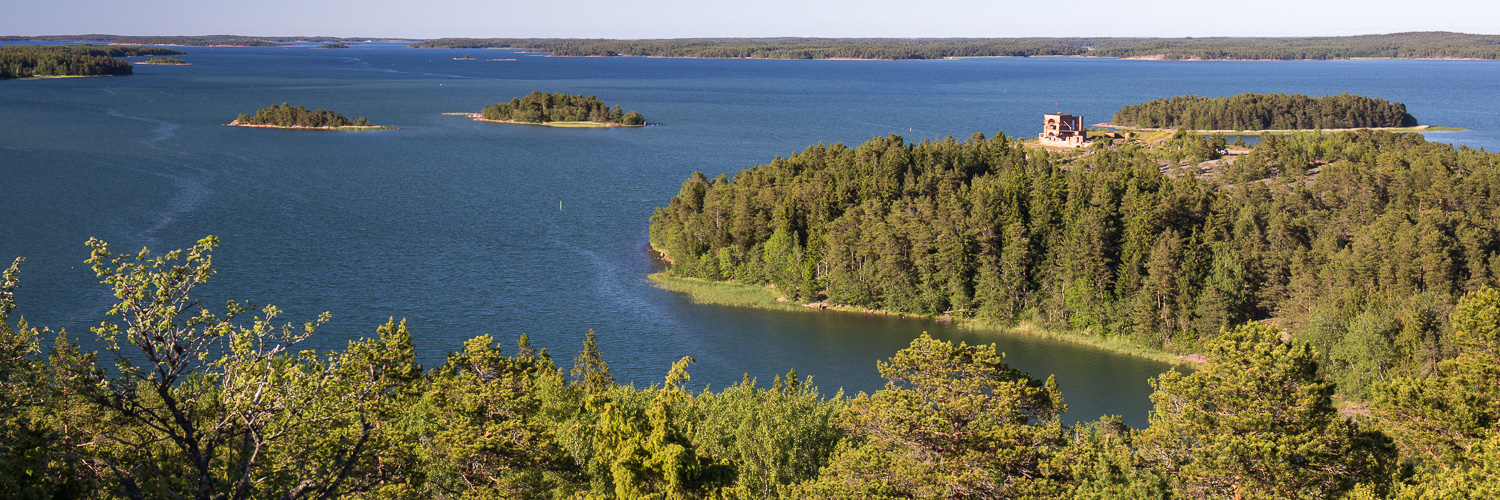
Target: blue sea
467,228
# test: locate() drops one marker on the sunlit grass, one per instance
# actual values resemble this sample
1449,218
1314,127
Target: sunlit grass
701,291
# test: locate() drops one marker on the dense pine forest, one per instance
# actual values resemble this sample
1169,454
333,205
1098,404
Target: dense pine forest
546,107
194,40
284,115
26,61
1358,242
185,402
1413,45
1265,112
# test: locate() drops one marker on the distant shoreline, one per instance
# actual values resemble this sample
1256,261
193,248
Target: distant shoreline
1399,130
1151,57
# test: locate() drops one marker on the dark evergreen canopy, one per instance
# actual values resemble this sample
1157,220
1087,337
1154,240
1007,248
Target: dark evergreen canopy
1265,112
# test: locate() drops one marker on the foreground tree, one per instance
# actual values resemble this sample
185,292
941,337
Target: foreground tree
1258,421
1450,422
34,462
953,421
201,406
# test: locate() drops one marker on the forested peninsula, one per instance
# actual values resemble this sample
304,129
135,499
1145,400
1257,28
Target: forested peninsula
297,117
1359,243
546,108
196,40
1265,112
28,61
1411,45
181,401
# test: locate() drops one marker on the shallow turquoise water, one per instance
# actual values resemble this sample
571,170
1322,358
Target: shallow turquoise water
455,225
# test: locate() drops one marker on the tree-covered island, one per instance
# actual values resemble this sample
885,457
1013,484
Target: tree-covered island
338,45
168,61
1253,112
297,117
559,110
43,61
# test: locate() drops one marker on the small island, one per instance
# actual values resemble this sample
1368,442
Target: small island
297,117
559,110
339,45
1252,114
167,61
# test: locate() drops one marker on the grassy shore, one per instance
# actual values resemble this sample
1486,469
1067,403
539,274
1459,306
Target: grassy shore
701,291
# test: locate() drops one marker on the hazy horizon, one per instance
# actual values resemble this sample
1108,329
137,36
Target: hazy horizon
873,37
770,19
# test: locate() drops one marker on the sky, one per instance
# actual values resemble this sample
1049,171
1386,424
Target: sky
758,18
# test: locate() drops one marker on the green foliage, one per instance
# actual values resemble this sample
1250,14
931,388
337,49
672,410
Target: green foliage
1264,112
164,60
194,41
1338,224
25,61
283,115
777,436
589,369
544,107
1258,422
1447,422
33,463
201,405
951,422
204,405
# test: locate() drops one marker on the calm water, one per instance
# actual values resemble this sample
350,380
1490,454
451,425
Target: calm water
455,225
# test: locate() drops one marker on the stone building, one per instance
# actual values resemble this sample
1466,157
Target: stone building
1063,130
